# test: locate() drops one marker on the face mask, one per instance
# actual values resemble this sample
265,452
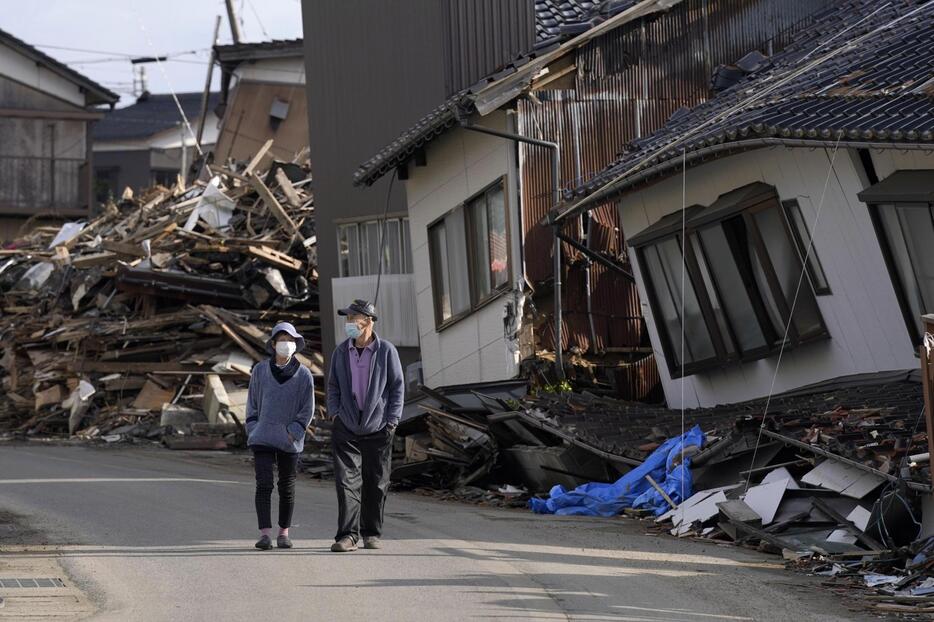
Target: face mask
285,349
353,331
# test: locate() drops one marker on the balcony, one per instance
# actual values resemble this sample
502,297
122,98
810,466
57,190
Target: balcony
41,185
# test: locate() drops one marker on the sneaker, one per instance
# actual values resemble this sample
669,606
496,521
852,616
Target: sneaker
344,545
283,542
264,543
372,542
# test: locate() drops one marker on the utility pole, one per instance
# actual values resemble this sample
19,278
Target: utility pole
207,83
234,24
183,169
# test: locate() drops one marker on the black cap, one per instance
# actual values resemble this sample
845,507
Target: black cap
359,307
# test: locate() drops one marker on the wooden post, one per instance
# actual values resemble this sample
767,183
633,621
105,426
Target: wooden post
927,381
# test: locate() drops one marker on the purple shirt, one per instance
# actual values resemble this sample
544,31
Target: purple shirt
360,371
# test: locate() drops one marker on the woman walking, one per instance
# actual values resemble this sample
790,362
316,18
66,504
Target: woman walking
280,405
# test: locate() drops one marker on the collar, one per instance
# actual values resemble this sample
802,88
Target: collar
372,346
281,374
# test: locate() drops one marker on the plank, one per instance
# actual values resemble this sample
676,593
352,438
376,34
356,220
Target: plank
275,258
94,259
257,158
273,205
121,248
256,356
285,184
664,494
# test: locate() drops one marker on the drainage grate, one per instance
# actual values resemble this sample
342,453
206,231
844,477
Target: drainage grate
43,582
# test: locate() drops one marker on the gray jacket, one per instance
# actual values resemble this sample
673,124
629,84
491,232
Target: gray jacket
278,408
385,391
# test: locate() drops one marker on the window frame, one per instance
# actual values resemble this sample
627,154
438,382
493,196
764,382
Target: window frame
890,263
746,208
802,248
362,252
476,302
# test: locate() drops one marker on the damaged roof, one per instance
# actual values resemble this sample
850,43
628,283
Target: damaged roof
149,115
276,48
875,85
874,419
559,23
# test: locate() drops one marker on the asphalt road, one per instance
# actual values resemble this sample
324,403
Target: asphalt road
157,535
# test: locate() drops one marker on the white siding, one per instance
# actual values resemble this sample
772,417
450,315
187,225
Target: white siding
25,70
284,70
863,317
460,164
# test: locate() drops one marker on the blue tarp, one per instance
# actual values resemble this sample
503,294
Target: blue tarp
632,489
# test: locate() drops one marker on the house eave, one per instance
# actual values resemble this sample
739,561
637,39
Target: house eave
628,182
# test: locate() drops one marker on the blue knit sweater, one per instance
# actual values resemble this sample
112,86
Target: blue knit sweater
279,405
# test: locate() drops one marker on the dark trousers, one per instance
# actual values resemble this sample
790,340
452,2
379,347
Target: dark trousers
361,472
263,461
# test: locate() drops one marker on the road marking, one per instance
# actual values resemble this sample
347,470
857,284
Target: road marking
113,480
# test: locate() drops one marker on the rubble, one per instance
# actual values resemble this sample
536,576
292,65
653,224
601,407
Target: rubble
143,322
833,480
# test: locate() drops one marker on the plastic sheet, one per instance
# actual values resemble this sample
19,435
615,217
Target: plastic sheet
595,499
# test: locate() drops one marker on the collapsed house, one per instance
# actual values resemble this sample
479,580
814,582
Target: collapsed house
145,320
797,203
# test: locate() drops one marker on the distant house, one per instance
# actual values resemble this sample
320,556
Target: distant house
141,144
46,110
600,76
262,96
782,234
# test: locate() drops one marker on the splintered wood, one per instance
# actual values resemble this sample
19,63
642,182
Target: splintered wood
112,326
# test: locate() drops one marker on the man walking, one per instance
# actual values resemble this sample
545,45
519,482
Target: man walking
365,393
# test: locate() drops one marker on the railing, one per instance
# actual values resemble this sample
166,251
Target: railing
42,184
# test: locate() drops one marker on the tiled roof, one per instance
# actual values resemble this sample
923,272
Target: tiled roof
149,115
554,17
880,89
97,94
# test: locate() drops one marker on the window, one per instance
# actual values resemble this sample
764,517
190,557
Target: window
902,209
358,247
163,177
469,254
802,239
909,235
742,271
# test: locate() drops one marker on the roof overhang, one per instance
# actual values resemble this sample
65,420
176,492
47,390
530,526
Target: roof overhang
236,53
512,86
912,186
658,170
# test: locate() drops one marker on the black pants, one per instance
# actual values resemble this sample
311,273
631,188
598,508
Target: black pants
361,471
263,460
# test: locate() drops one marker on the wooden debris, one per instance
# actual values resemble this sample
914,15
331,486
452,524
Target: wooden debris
159,319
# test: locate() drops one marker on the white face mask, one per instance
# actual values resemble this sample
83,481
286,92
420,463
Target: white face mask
285,349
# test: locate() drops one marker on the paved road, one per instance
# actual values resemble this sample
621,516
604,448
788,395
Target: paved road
155,535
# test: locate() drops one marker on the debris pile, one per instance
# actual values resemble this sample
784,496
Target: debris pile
144,322
833,480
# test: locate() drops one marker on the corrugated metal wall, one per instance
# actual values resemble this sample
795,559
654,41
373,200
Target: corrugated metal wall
628,83
482,35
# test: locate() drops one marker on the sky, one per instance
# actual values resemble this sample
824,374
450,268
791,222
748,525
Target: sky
122,29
